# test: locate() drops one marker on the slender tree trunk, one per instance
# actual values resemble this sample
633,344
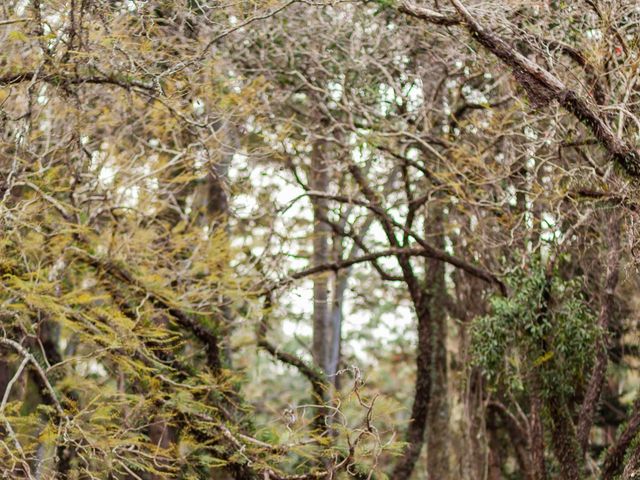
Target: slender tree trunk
5,375
438,424
217,214
474,439
335,344
496,448
321,234
564,440
341,282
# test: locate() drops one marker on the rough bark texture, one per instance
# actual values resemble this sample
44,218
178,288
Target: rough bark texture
614,459
536,440
607,303
438,441
563,440
5,376
341,281
217,212
421,302
542,86
496,448
420,409
632,468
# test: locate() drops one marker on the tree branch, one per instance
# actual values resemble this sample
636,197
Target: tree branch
598,374
614,459
431,252
543,85
62,79
426,250
427,14
315,377
207,337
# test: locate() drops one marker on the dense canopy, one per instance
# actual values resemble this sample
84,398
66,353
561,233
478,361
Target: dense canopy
319,239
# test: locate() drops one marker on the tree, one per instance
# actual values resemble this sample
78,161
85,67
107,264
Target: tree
297,240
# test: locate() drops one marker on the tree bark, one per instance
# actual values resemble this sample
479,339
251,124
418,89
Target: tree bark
564,440
614,459
536,440
438,439
607,303
321,235
420,410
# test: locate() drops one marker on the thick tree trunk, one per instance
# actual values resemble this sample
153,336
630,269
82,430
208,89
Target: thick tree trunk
564,440
536,439
607,304
419,412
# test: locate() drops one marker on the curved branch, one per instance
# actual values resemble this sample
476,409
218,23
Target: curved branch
430,252
425,249
427,14
61,79
540,81
210,339
39,370
315,377
545,86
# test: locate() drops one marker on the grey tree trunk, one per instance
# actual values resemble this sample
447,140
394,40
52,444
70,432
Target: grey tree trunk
322,335
337,313
341,282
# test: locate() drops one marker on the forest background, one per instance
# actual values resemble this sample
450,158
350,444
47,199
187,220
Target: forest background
319,239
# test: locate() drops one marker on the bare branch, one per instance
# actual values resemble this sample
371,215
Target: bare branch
541,83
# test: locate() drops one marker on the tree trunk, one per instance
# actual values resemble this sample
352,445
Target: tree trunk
321,233
536,440
438,425
420,410
607,304
335,343
564,440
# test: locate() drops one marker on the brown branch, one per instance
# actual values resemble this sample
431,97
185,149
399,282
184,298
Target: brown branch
598,374
543,85
427,14
614,459
208,338
605,197
62,79
426,250
10,21
41,373
589,69
541,82
359,245
315,377
431,252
